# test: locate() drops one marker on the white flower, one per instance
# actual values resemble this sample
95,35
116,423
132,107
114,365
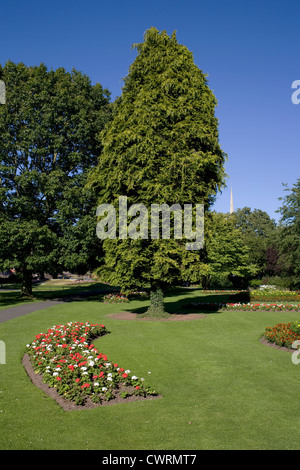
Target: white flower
127,371
104,389
96,384
55,374
84,373
83,368
109,378
134,377
91,363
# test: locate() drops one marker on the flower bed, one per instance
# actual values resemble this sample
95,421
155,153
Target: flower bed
251,307
283,334
269,307
78,371
119,297
275,295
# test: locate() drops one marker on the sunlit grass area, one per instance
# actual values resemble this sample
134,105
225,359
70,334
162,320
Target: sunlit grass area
221,387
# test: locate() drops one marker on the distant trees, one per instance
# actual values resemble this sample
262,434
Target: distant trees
258,231
274,248
49,139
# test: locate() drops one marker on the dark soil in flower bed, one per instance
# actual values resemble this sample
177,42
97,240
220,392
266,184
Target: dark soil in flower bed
67,405
264,340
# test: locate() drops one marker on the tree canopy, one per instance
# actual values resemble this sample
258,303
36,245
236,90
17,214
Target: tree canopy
49,138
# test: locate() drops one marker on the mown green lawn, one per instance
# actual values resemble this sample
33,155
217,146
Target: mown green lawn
222,388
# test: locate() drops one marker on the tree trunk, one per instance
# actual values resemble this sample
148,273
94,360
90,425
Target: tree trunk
26,289
156,308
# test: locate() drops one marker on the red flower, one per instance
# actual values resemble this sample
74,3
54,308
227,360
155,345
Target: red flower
124,375
85,385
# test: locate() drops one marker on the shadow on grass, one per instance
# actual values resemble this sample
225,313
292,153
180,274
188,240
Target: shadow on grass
65,294
204,303
10,299
187,305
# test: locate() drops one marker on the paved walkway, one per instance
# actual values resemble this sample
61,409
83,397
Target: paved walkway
13,312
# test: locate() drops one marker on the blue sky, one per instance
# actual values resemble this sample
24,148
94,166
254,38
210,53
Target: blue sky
249,49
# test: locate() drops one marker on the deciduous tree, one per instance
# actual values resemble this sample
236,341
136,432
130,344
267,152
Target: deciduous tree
49,138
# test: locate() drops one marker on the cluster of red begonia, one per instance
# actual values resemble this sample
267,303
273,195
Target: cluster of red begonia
70,363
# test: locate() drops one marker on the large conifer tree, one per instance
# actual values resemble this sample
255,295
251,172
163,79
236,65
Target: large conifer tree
162,146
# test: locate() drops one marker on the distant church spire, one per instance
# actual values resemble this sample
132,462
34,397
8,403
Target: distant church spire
231,202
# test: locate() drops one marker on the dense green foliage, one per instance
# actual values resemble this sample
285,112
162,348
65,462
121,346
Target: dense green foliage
161,146
49,138
205,370
258,231
227,253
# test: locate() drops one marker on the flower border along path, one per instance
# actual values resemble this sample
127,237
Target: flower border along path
66,366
